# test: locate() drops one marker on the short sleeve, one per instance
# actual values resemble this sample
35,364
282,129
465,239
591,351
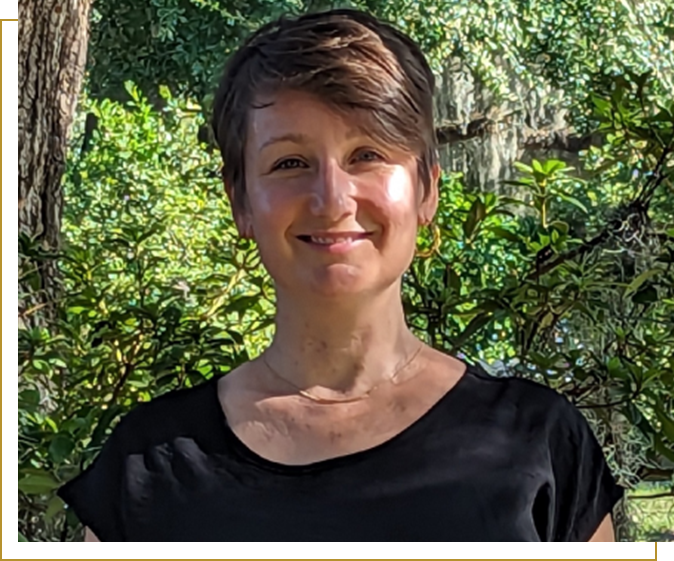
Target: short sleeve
95,495
585,490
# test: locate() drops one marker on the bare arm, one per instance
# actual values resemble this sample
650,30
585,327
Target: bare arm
605,532
92,546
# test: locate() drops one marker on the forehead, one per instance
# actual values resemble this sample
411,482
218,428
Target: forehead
295,112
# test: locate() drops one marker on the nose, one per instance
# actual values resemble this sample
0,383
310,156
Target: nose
331,192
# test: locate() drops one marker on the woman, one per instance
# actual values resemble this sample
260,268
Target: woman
347,428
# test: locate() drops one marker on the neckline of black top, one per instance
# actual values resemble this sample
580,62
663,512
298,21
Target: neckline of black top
247,455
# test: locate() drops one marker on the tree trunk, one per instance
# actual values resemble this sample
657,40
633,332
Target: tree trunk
53,37
482,137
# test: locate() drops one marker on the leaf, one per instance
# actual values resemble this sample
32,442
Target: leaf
502,211
552,166
72,426
523,168
75,310
641,279
512,201
154,230
637,418
601,104
525,182
505,234
560,226
164,91
104,421
54,506
241,304
546,321
452,279
52,425
29,397
614,364
583,309
475,325
71,518
38,484
481,209
41,366
60,448
573,201
667,424
606,164
22,538
476,214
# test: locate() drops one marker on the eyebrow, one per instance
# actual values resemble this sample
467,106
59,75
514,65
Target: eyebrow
299,138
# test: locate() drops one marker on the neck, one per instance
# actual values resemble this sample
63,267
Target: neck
343,346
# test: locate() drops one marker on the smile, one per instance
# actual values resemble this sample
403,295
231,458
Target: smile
336,244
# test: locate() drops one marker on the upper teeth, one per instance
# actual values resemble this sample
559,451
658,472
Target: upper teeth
329,240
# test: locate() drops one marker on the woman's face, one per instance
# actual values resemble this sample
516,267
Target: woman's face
333,211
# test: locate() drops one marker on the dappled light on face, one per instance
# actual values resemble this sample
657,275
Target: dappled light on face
398,185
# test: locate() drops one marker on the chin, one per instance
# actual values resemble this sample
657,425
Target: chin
329,282
327,285
335,283
335,280
326,291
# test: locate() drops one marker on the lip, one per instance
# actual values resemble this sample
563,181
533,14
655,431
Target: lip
358,238
326,234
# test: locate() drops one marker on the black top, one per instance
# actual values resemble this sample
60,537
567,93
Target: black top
496,459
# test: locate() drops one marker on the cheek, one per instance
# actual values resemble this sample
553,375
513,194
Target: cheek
273,197
393,200
398,187
274,211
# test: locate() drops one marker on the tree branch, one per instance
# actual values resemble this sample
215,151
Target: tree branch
542,139
550,139
640,206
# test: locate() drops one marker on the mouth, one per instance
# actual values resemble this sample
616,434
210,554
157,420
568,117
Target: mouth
335,238
336,243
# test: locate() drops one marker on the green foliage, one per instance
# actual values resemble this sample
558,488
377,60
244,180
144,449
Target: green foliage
569,46
178,43
652,509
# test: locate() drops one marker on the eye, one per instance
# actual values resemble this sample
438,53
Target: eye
367,155
288,163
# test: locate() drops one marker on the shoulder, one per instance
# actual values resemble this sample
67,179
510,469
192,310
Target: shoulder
531,406
519,392
182,412
99,493
581,490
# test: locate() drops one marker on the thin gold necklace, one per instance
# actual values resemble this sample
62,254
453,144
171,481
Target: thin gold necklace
317,399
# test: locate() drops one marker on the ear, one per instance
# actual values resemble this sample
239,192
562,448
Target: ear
429,205
239,212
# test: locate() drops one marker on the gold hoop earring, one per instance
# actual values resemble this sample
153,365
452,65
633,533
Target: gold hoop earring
435,245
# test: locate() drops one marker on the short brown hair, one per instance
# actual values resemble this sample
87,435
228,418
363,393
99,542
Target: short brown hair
347,58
